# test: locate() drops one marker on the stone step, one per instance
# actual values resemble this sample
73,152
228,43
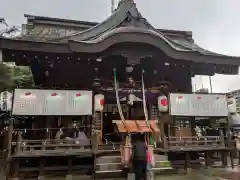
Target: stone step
160,157
109,167
109,163
108,171
108,159
163,164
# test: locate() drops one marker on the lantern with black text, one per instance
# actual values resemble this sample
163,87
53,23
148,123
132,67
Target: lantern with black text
162,103
98,102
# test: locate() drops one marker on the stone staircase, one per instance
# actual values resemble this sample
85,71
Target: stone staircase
162,163
108,164
112,163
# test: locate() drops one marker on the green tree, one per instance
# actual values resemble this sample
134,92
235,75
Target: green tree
15,77
6,82
22,77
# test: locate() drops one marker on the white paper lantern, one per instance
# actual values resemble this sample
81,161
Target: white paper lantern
98,102
5,101
162,103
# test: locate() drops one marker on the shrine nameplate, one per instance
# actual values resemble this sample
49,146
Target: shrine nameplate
79,103
54,102
27,102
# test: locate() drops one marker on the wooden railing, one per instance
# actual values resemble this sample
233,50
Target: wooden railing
196,142
24,147
49,146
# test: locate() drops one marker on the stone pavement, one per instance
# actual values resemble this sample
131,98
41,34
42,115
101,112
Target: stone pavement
202,174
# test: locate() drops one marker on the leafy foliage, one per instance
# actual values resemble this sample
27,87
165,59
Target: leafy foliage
22,77
15,76
6,82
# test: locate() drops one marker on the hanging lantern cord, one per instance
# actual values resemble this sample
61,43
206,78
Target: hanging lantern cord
144,104
117,95
119,105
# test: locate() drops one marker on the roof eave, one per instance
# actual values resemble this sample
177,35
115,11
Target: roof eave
46,20
109,40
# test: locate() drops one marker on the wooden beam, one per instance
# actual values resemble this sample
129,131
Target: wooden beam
115,121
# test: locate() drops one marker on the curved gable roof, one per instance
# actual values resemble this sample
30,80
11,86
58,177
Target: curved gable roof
127,19
126,24
125,9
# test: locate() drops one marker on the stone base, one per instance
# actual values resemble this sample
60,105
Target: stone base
130,176
40,177
188,170
69,177
150,176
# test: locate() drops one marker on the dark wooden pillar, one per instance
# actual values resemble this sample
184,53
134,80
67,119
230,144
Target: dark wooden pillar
15,169
18,143
187,161
224,159
207,159
69,175
41,169
97,123
48,127
94,142
231,158
10,134
9,147
89,126
238,156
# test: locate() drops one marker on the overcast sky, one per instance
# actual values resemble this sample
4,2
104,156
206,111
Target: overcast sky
215,23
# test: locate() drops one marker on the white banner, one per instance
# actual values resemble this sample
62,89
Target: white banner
205,105
52,102
27,102
79,102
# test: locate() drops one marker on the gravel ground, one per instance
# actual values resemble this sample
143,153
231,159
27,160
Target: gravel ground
203,174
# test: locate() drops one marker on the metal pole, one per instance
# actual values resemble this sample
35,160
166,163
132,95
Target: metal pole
210,82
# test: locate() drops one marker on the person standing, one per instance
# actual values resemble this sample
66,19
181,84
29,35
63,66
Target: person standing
139,158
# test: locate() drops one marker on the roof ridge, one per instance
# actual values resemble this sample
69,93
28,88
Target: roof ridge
115,19
125,9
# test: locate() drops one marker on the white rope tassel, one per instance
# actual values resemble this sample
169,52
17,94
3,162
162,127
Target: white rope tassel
144,102
117,96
